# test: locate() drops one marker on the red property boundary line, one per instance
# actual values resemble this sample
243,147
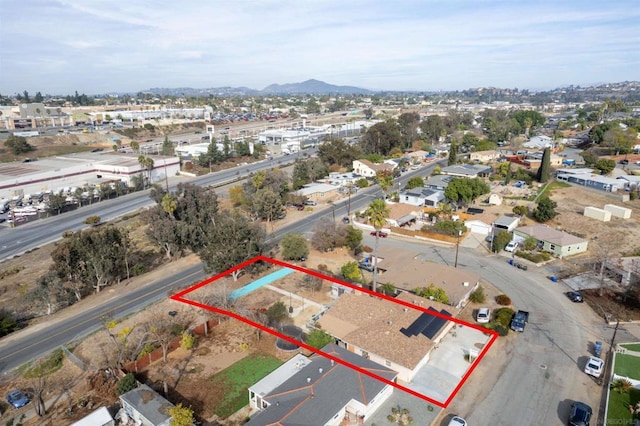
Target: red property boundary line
494,335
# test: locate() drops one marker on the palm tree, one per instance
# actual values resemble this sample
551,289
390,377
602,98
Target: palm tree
385,180
377,214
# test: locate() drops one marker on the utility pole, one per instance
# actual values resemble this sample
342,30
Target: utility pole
455,265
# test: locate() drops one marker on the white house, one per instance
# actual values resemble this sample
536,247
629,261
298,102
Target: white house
321,391
146,407
368,169
422,197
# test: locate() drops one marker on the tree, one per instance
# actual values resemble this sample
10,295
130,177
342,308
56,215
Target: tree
135,146
377,214
353,237
381,138
49,293
56,203
542,175
294,246
465,190
500,241
619,140
414,182
385,180
545,210
267,205
181,416
453,154
326,235
18,145
319,339
351,272
8,323
605,165
161,329
338,152
276,313
388,289
167,146
520,210
231,240
126,384
432,292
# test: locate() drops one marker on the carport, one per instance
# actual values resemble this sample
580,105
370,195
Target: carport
406,219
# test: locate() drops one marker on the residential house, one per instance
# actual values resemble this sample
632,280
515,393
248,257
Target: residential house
99,417
484,156
467,170
422,197
630,181
588,179
342,179
401,214
388,333
368,169
559,243
505,223
146,407
318,191
539,142
406,272
438,182
321,391
416,157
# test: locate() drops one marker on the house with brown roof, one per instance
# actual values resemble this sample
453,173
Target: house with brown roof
406,271
368,169
388,333
321,391
400,214
559,243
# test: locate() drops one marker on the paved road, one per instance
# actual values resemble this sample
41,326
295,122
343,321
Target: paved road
19,348
529,378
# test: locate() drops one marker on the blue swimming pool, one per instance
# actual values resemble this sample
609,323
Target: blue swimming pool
267,279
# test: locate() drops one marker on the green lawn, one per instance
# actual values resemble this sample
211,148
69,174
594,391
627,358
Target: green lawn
632,347
236,380
627,365
556,184
618,411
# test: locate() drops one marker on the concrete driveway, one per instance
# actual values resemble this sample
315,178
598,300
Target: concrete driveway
447,364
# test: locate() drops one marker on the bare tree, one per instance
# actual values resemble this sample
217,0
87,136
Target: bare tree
161,329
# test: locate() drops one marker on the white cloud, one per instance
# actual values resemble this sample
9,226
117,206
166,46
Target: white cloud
95,46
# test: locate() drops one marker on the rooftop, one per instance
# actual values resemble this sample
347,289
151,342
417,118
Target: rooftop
466,169
148,403
318,391
376,325
550,235
407,271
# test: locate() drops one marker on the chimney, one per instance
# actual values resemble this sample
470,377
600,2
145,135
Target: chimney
333,363
308,379
320,370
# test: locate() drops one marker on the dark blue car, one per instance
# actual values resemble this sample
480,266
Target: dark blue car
18,399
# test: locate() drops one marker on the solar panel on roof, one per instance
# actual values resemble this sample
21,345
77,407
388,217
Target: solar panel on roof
434,326
419,324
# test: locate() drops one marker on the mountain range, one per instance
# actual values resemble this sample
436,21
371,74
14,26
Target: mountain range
315,87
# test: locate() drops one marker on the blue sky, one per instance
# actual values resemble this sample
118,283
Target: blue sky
57,47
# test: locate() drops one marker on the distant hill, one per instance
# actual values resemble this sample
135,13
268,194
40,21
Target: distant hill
315,87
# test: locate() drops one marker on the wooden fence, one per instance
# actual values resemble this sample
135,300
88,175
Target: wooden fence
143,362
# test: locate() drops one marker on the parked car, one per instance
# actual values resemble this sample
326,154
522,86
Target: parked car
380,234
574,296
17,398
519,321
511,247
346,219
310,203
580,414
489,238
366,266
594,367
625,162
484,315
457,421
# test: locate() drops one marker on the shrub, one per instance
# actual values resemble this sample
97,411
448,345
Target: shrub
67,234
188,340
127,383
503,299
536,257
92,220
501,329
621,385
478,295
323,267
503,316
